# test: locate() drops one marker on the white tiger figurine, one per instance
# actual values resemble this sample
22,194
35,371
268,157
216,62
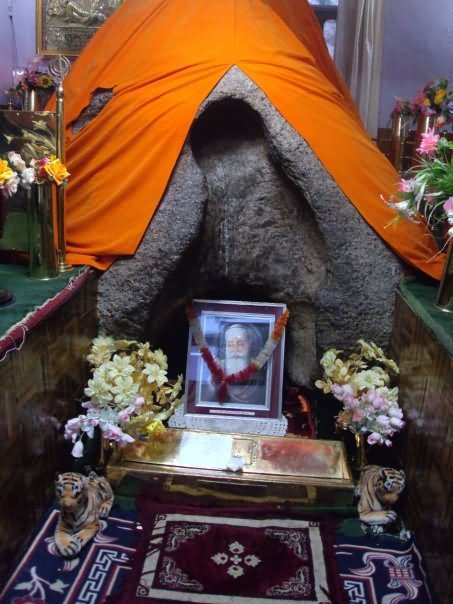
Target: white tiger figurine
83,501
379,489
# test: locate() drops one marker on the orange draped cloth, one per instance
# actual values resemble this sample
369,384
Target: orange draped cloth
162,58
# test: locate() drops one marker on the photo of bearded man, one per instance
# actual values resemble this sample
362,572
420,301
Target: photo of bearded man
236,345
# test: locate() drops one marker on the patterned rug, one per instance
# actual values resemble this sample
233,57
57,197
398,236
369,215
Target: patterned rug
381,570
42,577
240,558
232,557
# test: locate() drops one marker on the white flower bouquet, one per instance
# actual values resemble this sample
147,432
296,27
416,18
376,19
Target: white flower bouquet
129,393
362,383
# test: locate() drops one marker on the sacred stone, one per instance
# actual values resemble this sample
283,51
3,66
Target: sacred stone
250,213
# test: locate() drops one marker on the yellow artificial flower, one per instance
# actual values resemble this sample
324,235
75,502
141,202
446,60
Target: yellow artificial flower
5,171
45,81
155,427
101,350
326,386
155,375
427,102
328,360
160,358
370,378
56,170
440,96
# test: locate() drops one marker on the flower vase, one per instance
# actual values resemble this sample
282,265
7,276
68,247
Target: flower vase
360,457
107,447
444,299
92,453
424,123
30,100
398,141
41,232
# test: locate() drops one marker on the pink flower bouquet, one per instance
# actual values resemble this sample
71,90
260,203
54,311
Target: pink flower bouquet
426,191
362,383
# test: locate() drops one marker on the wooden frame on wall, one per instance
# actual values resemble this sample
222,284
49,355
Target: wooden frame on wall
64,27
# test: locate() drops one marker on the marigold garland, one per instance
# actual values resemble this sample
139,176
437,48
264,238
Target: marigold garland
255,364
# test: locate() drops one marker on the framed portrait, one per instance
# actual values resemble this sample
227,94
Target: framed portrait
65,26
234,334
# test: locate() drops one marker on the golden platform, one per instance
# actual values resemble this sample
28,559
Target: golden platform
288,469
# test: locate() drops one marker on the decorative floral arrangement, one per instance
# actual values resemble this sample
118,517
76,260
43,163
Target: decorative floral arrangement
14,172
435,99
403,107
35,79
217,372
50,169
427,190
362,383
129,394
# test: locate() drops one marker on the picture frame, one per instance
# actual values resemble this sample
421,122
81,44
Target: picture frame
65,27
235,332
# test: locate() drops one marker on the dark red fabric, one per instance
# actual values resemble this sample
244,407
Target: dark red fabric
193,560
16,337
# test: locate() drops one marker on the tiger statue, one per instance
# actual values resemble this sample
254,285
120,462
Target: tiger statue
379,489
83,501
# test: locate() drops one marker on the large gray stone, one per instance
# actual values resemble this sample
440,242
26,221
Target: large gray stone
251,213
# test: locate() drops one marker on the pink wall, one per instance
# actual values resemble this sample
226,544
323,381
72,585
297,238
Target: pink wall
418,46
23,13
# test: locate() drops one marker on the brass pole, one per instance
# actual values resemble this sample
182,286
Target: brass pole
444,299
424,123
60,151
397,142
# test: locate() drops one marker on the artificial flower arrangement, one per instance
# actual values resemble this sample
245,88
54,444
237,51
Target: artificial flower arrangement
362,383
426,191
129,395
435,99
403,107
14,172
35,77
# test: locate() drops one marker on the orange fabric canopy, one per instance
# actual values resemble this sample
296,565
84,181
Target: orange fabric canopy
162,58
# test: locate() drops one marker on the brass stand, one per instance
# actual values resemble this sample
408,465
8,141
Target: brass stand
59,68
63,266
445,293
398,139
360,458
424,123
40,219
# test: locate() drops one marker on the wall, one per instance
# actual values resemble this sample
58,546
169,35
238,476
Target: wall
418,46
25,32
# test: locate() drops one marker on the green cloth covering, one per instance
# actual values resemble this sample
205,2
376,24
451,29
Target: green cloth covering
15,234
29,293
421,298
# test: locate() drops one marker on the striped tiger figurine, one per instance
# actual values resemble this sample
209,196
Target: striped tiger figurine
379,489
83,501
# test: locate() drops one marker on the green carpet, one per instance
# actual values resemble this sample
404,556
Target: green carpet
28,293
15,234
421,298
